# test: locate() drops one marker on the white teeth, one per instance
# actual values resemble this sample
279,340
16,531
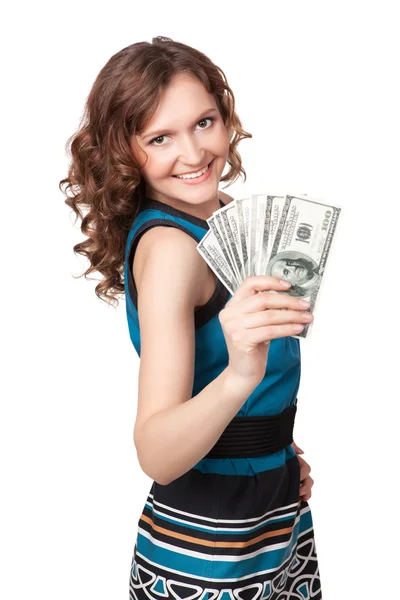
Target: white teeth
193,175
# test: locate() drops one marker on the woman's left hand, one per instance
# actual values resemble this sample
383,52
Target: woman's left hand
306,481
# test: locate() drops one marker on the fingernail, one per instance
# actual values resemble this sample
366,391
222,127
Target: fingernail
304,303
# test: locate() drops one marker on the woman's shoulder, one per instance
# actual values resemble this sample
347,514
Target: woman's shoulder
169,252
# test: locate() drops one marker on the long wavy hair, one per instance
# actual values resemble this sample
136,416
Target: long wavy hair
104,186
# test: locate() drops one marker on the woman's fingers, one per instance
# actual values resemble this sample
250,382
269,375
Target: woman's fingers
306,481
305,488
272,300
248,345
305,468
297,448
257,283
258,335
270,316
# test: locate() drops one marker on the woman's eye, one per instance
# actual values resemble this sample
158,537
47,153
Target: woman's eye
206,119
157,138
160,137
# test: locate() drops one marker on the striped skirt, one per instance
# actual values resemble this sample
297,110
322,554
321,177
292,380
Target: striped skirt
212,536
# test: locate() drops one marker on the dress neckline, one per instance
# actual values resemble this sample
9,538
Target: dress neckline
158,205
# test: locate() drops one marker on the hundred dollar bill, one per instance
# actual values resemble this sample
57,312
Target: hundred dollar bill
216,226
273,212
243,211
253,231
209,249
276,215
259,231
301,247
226,217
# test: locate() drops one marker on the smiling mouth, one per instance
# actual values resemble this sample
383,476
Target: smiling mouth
180,176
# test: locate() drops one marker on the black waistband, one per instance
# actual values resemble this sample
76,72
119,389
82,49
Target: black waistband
255,436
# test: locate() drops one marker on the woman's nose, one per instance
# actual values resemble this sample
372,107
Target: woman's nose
190,152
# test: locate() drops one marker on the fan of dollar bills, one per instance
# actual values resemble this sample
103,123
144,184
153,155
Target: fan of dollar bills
289,237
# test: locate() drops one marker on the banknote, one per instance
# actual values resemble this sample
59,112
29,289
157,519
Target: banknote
286,236
301,247
227,220
217,227
210,250
270,214
243,211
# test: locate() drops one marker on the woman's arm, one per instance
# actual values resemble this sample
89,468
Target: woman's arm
173,430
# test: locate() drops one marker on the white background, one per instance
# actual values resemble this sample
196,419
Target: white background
316,83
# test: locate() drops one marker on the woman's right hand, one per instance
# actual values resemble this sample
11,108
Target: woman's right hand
250,320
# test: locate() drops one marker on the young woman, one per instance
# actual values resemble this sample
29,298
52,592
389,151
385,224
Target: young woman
226,514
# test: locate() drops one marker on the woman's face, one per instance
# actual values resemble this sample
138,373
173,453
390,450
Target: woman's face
185,134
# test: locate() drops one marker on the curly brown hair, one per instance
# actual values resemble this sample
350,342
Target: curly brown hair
103,175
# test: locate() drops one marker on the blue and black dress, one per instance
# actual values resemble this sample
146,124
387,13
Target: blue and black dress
232,527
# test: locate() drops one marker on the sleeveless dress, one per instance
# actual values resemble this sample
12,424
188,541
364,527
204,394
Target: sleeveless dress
229,528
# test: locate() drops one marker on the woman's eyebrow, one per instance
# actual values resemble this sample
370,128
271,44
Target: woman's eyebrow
164,130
